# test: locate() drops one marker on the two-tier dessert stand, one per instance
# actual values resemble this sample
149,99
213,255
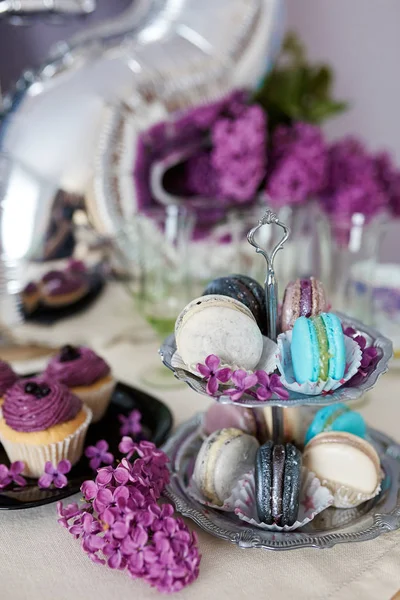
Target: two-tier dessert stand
332,526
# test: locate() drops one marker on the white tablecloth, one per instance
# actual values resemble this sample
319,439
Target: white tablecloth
39,560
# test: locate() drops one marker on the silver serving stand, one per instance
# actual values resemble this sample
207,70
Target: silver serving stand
330,527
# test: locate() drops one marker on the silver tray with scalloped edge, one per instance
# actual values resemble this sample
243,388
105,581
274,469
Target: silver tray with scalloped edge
343,394
332,526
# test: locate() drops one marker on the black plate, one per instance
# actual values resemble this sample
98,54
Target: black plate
47,315
157,424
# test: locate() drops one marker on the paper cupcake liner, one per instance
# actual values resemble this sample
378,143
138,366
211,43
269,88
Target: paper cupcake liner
314,498
267,362
347,497
285,367
196,494
97,399
35,457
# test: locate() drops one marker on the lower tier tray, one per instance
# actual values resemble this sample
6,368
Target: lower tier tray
332,526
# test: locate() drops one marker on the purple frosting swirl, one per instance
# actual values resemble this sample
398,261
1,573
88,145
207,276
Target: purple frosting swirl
24,411
7,377
85,369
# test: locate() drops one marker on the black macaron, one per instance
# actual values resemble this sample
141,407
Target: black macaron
278,482
245,289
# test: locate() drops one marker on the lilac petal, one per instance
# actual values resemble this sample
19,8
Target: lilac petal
94,463
104,475
203,370
45,480
5,482
49,469
17,467
263,378
121,475
224,375
212,386
212,362
107,458
89,489
263,394
60,481
119,530
238,377
91,451
64,466
3,472
102,445
127,445
95,542
115,560
19,480
235,394
250,381
104,496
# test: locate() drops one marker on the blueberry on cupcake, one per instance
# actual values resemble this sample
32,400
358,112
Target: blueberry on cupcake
86,374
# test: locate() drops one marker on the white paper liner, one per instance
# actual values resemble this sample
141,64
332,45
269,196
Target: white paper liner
97,399
314,498
285,367
347,497
196,494
267,362
35,457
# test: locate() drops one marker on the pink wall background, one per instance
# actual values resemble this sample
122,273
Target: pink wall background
361,40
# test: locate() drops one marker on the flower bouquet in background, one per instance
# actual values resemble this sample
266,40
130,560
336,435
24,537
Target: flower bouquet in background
222,160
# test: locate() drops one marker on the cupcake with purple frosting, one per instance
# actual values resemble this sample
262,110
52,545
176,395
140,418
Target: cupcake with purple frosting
43,421
30,297
61,288
86,374
7,379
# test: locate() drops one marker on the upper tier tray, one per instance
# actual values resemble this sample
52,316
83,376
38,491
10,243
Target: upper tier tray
343,394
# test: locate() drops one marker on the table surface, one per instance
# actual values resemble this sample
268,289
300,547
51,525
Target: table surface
41,561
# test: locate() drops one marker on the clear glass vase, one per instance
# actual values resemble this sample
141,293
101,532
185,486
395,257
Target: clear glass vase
354,256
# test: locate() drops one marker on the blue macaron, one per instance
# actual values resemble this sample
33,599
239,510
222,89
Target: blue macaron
336,417
317,348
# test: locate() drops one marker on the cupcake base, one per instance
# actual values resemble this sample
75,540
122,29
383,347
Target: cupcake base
96,396
59,300
22,446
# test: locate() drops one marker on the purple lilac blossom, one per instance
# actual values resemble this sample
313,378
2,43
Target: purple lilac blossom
121,524
297,164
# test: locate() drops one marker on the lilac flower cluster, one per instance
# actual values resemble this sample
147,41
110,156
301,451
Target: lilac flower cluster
121,525
238,153
259,384
369,356
297,165
353,183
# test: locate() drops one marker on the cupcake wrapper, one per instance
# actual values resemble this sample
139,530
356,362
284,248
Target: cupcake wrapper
347,497
35,457
267,362
314,498
97,399
285,367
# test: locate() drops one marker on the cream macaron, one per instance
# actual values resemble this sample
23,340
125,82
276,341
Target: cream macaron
224,457
345,463
222,326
